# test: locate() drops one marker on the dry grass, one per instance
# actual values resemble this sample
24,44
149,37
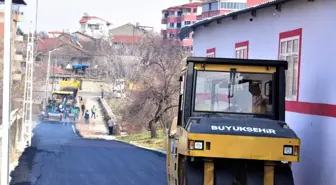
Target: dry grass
144,139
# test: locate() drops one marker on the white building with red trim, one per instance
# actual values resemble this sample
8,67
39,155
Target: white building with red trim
301,32
94,26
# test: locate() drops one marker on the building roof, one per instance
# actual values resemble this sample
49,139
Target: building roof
126,39
53,69
86,18
127,34
19,2
187,29
48,44
85,35
55,32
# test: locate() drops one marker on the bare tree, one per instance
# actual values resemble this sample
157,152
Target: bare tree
160,69
154,65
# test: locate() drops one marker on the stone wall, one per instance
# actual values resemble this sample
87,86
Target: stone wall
108,114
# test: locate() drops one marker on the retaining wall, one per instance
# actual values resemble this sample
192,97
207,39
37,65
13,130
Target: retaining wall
108,114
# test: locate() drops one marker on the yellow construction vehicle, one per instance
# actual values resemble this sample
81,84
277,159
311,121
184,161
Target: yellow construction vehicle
230,128
59,96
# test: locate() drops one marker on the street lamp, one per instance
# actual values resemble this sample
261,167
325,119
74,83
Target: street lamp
47,78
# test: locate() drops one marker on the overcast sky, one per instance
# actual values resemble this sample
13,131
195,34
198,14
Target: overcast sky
54,15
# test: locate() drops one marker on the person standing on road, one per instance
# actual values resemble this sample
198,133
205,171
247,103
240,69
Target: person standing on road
75,112
66,117
93,112
61,117
86,117
83,109
110,126
102,93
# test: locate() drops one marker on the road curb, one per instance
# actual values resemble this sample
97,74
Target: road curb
161,153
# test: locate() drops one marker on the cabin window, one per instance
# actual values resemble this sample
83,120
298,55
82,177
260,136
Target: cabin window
290,51
241,50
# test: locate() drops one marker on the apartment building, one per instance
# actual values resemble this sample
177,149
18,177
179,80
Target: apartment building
94,26
176,17
219,7
17,57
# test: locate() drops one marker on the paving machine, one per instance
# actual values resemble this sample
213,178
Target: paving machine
73,85
230,128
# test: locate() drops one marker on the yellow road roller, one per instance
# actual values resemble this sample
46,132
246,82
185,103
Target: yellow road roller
230,128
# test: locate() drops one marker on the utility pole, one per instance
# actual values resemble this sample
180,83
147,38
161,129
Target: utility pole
47,78
53,74
28,89
6,101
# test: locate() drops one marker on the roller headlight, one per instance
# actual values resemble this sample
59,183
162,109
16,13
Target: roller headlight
288,150
196,145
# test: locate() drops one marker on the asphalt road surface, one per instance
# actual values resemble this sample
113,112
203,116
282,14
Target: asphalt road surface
59,157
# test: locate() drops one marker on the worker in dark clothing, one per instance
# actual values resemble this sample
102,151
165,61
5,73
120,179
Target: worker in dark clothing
87,117
110,126
83,109
102,93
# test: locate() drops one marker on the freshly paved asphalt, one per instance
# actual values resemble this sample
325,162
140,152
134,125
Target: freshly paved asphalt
59,157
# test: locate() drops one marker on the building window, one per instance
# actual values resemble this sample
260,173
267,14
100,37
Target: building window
171,36
186,22
232,5
195,10
211,52
179,13
209,6
171,25
94,26
290,45
241,50
187,11
178,25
